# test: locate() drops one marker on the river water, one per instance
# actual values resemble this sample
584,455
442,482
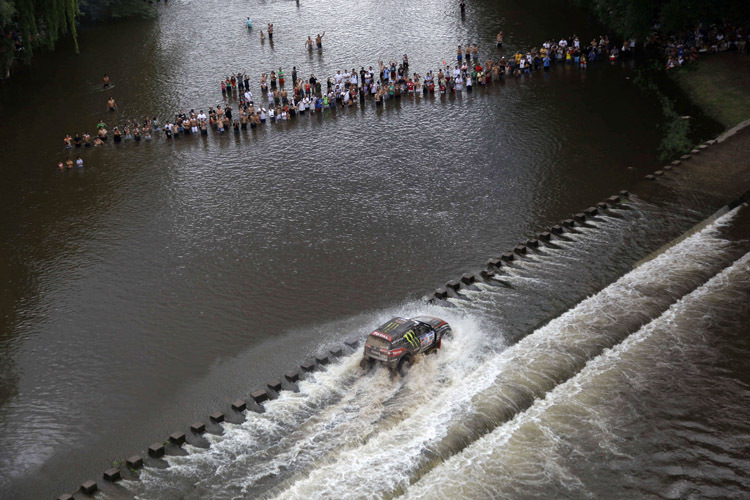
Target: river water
164,280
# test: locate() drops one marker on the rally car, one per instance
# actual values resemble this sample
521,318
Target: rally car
397,342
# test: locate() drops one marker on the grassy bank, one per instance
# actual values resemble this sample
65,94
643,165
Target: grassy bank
720,85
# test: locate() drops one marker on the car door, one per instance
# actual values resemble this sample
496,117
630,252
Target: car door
426,336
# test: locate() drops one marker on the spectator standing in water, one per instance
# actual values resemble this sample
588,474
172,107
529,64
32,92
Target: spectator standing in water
111,104
319,40
270,32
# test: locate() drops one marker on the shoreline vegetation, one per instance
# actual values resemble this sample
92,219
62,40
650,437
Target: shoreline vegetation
719,85
29,25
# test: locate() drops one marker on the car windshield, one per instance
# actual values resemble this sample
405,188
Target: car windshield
377,341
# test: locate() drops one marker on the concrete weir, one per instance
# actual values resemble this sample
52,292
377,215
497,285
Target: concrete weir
698,158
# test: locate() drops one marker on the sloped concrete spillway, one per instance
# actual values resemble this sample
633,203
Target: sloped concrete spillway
514,409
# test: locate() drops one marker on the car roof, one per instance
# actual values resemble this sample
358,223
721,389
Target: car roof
394,329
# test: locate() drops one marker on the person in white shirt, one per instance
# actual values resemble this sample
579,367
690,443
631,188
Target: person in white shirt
248,96
301,107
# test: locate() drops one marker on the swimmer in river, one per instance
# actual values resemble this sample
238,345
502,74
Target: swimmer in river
262,36
69,163
67,140
111,104
79,162
499,40
309,43
462,4
60,166
319,40
105,81
249,23
270,32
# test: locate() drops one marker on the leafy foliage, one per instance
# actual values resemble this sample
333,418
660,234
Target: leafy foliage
635,18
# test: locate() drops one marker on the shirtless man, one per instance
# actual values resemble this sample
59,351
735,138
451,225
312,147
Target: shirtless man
105,81
499,40
111,104
309,43
319,40
270,31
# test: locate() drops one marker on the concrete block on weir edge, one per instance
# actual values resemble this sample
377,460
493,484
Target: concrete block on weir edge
274,385
624,193
711,142
591,211
494,263
533,243
112,475
259,396
685,157
507,257
487,275
441,294
308,367
337,352
520,250
322,359
239,405
198,427
695,152
667,168
613,199
134,462
352,345
177,438
557,230
217,417
676,162
658,173
89,487
467,279
650,177
66,496
292,376
453,285
580,217
602,206
156,450
702,147
569,223
545,236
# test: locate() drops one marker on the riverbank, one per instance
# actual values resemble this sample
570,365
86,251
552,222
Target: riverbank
720,85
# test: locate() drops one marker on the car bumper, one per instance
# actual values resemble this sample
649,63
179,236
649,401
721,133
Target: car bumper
389,362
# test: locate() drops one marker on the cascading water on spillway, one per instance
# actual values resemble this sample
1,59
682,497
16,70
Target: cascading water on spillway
592,433
350,434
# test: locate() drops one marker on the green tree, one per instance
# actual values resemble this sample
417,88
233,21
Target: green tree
635,18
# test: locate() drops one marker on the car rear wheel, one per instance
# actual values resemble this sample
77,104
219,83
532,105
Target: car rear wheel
404,366
366,363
